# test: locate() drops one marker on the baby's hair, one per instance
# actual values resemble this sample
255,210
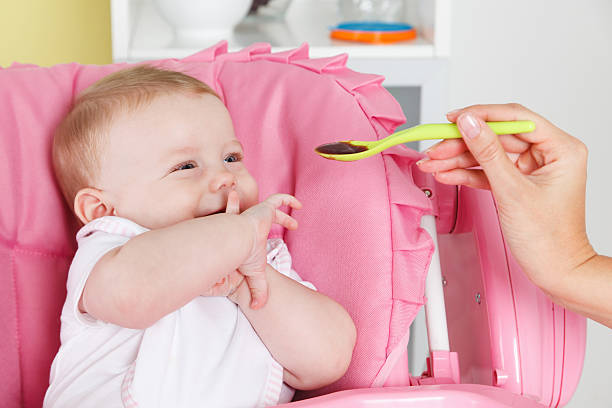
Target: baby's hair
81,136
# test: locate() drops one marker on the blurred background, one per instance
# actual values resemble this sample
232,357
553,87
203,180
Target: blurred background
555,57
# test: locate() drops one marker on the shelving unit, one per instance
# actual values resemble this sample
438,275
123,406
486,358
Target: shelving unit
140,33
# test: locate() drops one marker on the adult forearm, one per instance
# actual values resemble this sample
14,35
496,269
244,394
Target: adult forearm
309,334
587,289
159,271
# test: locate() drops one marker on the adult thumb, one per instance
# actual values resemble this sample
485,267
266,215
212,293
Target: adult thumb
486,148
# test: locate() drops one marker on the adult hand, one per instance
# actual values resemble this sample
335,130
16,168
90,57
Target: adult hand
538,180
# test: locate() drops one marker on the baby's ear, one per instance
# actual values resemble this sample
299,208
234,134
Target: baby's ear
89,204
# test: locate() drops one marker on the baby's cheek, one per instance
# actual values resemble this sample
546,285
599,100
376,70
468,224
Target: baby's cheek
167,209
249,193
177,211
248,201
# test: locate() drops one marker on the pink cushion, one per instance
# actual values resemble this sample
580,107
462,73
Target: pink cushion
358,240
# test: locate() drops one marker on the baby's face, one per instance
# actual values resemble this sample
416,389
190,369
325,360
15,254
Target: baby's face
174,160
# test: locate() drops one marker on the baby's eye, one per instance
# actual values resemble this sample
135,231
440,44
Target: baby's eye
233,157
184,166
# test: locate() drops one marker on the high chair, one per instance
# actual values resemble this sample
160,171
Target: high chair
376,235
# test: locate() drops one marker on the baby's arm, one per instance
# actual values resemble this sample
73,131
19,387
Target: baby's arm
159,271
309,334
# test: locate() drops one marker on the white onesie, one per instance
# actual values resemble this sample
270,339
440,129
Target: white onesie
203,354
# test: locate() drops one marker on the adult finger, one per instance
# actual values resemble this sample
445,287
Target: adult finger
461,161
466,160
544,130
474,178
488,151
527,163
453,147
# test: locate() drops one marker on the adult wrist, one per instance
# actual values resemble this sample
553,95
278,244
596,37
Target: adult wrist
565,289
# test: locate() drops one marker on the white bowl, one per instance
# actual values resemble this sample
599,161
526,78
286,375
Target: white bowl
198,22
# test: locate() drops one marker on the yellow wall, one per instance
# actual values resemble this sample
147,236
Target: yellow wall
48,32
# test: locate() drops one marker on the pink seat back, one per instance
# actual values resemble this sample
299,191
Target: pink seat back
358,241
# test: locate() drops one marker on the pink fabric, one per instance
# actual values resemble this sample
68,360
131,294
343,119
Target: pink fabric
358,240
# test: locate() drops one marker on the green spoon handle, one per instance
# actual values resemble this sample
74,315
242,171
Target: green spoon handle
450,131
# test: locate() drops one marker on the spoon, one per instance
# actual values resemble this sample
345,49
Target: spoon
351,150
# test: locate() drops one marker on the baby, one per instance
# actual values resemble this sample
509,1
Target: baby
175,296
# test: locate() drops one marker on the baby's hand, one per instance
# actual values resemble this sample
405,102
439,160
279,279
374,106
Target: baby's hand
227,285
262,216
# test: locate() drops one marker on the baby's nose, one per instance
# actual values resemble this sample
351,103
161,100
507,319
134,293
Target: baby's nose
223,179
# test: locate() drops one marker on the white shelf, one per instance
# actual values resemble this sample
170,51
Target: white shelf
140,33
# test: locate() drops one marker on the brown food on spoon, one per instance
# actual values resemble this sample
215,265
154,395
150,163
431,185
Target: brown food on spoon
340,148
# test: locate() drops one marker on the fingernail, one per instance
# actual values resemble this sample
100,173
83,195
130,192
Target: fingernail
422,161
469,125
254,304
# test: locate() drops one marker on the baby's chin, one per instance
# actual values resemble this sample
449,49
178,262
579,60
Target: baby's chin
160,222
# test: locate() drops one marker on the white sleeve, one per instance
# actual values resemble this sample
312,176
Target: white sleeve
280,259
91,249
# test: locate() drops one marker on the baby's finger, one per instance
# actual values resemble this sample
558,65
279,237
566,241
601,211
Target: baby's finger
258,286
233,203
278,200
285,220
